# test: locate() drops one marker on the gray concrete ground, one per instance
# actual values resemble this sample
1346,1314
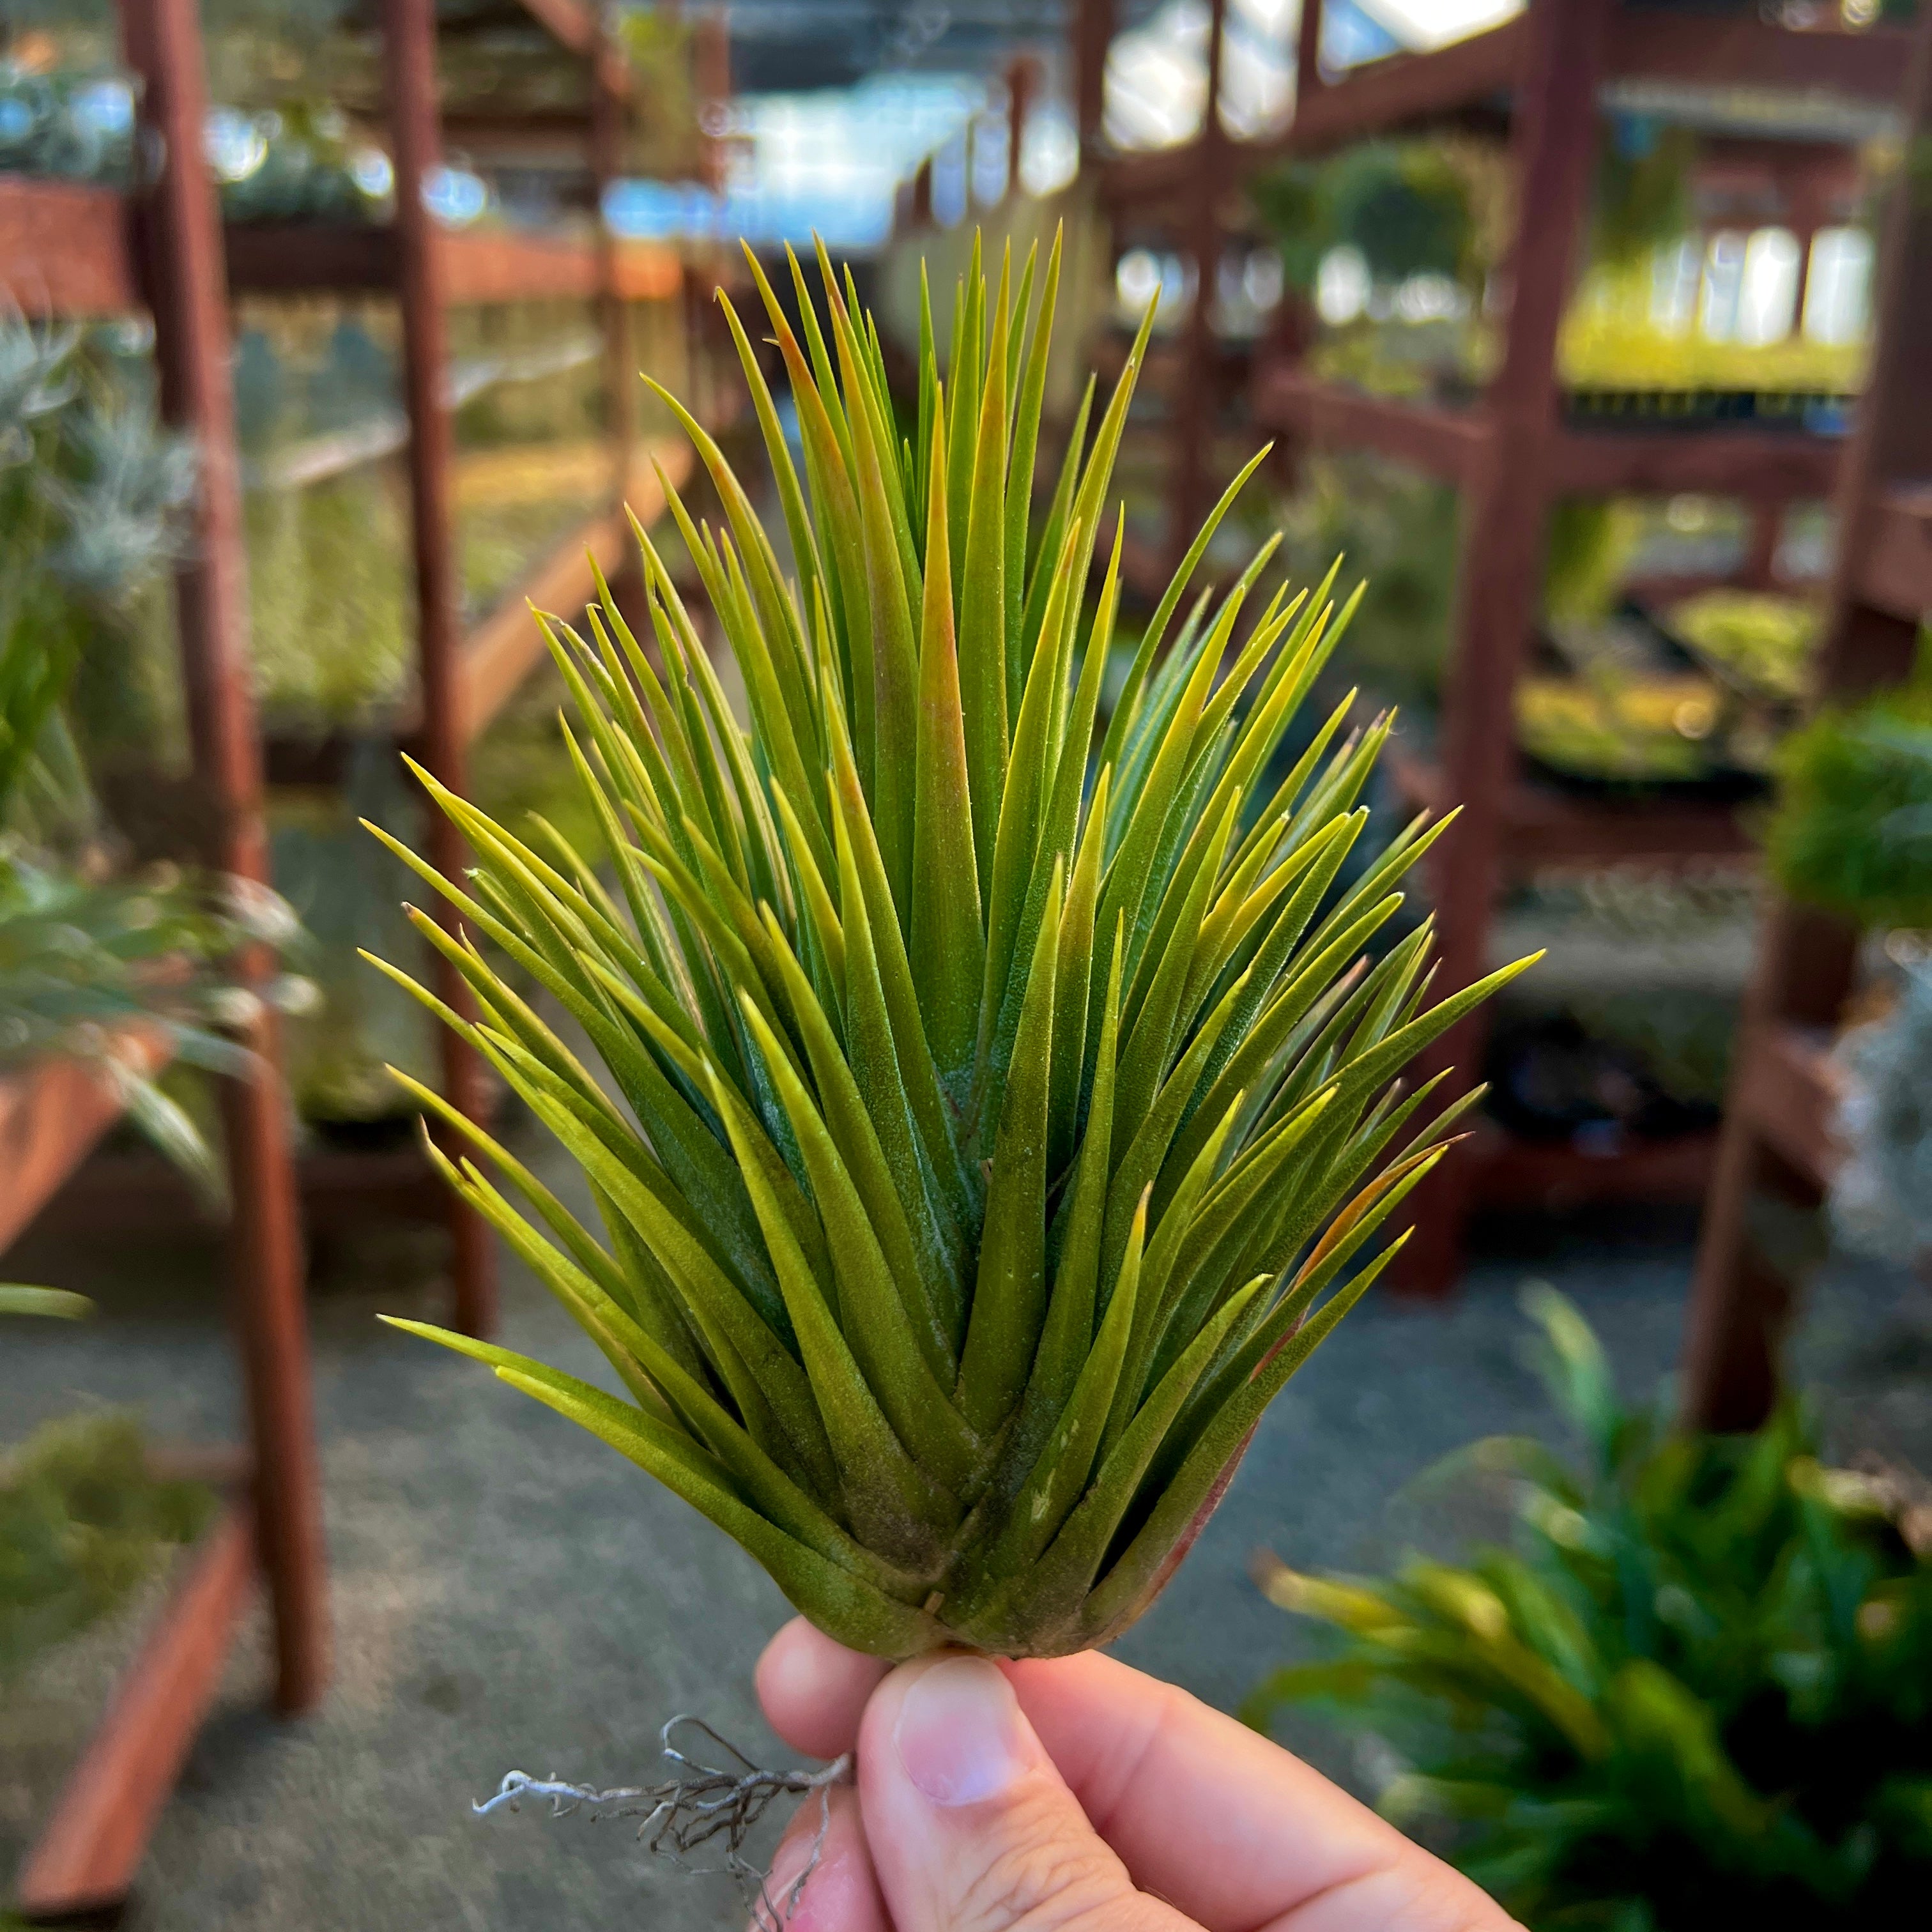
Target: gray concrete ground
507,1593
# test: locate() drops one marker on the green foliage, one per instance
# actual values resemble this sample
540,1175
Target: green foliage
1852,832
1762,640
90,503
1000,1129
1697,1692
1591,542
84,958
290,162
1642,190
91,497
1406,205
83,1524
297,163
41,132
1398,530
1609,343
1613,727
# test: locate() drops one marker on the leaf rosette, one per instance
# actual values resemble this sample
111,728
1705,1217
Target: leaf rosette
986,1122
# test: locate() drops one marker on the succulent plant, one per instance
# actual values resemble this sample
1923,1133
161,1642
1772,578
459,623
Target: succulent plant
1003,1121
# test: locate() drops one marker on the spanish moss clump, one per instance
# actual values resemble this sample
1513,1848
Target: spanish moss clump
1004,1118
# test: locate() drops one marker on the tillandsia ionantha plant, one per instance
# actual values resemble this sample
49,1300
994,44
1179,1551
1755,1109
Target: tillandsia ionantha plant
1003,1120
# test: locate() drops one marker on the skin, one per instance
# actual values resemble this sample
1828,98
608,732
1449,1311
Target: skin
1076,1795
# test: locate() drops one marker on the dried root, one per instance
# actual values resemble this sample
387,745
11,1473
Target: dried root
701,1805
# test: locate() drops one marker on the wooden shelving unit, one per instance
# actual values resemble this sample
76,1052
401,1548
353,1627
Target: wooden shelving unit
472,267
1540,78
52,1116
1475,77
83,261
1777,1145
69,250
1548,828
74,251
463,679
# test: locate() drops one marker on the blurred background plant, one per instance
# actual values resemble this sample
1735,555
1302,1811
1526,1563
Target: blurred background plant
1642,195
84,1521
66,110
1762,640
1696,1690
123,965
1852,832
1408,207
84,1518
1882,1192
1396,530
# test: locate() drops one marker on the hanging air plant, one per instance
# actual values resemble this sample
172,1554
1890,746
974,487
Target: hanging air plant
1003,1122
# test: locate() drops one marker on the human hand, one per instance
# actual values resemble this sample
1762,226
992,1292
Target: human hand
1075,1795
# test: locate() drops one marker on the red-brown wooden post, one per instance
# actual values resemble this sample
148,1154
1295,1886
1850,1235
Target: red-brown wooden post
1741,1299
1022,84
179,226
608,90
711,50
1092,35
408,55
1552,152
1197,381
1308,54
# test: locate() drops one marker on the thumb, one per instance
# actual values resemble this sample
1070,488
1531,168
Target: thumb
971,1827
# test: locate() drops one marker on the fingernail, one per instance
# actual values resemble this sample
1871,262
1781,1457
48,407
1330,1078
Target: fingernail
960,1734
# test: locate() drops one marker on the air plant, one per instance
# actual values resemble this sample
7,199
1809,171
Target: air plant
1003,1121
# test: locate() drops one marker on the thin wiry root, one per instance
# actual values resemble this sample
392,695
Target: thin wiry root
702,1804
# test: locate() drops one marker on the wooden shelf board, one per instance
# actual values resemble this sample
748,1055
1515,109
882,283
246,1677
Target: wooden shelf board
1790,1092
1411,89
297,257
476,267
1546,827
1782,464
51,1113
500,653
91,1848
1440,442
1376,98
1895,575
1509,1171
140,1193
1404,89
1744,52
64,248
495,266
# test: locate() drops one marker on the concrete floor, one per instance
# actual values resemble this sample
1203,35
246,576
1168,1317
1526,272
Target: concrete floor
506,1593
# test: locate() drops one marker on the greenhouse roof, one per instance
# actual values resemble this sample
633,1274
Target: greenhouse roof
837,101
